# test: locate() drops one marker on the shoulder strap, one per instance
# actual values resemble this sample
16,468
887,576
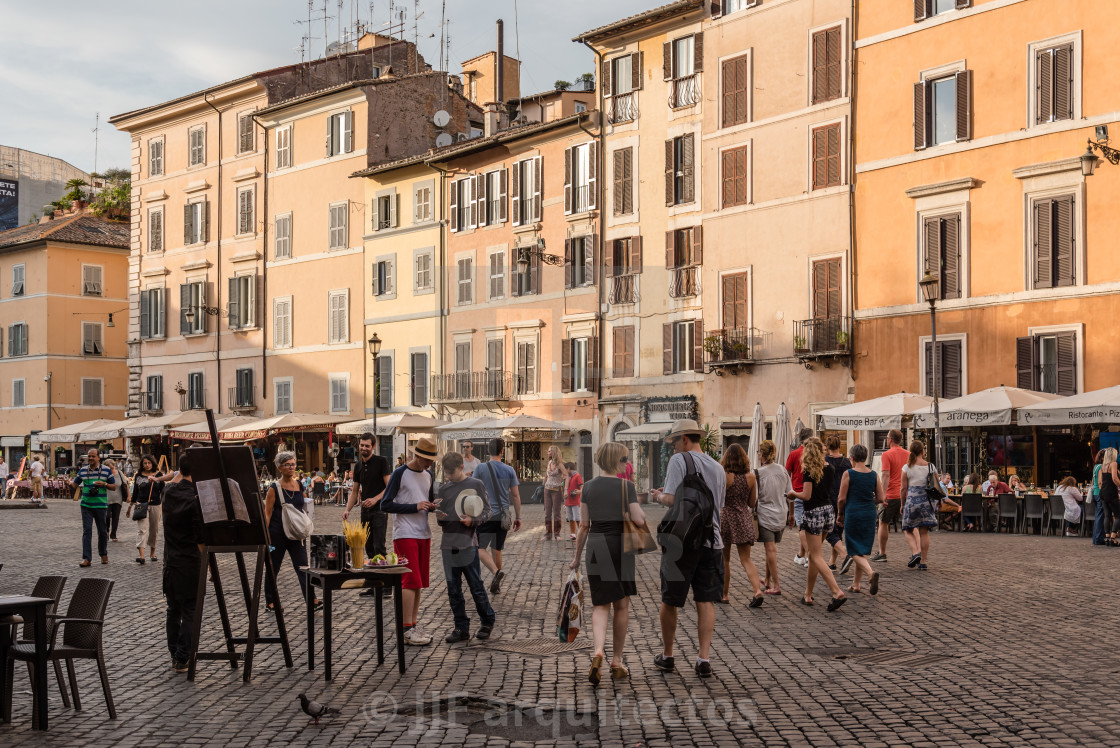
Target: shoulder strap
496,482
690,464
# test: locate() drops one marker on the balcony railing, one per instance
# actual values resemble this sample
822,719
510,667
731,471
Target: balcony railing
241,398
732,346
622,108
581,198
685,282
684,91
474,386
624,289
830,336
151,403
192,401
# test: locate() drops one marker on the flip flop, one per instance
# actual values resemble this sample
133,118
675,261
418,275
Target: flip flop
772,592
874,584
756,601
853,589
807,602
836,603
725,601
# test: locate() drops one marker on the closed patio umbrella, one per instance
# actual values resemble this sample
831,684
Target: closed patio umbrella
782,436
758,424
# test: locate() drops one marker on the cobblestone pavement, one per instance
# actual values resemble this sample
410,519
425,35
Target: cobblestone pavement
1004,641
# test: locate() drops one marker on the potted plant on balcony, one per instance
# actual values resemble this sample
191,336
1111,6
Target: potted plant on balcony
713,346
842,338
799,342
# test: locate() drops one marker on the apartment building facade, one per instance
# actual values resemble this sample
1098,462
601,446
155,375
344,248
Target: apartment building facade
972,118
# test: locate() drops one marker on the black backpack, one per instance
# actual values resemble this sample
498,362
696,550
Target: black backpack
690,522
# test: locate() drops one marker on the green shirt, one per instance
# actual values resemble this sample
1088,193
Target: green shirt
95,497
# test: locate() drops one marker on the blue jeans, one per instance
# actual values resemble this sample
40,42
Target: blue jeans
91,517
1098,523
456,565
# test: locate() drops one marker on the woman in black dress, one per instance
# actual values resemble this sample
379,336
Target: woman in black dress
287,490
610,571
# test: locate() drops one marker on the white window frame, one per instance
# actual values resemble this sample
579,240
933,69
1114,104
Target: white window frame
153,234
531,338
246,320
242,117
247,225
25,335
1079,330
680,355
464,199
581,178
191,162
198,324
345,119
281,335
1034,48
929,77
1070,182
423,208
338,232
100,280
527,190
460,282
923,340
19,279
844,156
417,288
276,399
844,61
580,347
201,378
153,159
19,385
382,220
388,292
741,5
198,215
284,147
335,334
100,338
157,332
282,242
100,392
500,276
334,378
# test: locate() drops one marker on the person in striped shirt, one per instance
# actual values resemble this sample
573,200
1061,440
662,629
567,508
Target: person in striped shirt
94,478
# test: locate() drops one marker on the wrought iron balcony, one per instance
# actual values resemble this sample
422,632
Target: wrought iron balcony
684,91
474,386
241,398
733,346
684,282
622,108
828,336
192,401
151,403
624,289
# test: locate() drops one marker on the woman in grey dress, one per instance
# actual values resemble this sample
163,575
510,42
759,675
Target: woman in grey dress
918,513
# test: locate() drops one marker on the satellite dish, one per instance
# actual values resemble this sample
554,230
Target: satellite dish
443,140
441,118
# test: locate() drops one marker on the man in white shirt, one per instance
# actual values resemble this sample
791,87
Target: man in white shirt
37,470
3,478
470,462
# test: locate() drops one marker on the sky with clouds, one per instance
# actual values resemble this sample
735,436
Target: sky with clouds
65,62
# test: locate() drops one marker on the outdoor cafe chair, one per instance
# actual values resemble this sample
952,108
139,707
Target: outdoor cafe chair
972,506
1057,514
1088,516
44,587
1034,507
1008,509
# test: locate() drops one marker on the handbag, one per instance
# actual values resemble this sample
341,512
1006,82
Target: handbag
636,539
569,620
297,524
934,492
141,509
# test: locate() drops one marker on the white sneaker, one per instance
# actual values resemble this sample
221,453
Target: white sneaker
417,637
801,561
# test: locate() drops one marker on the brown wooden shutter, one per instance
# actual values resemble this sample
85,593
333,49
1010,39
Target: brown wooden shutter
827,289
1064,266
569,264
820,65
538,188
187,224
636,71
515,274
535,279
932,236
568,154
614,267
593,366
1044,71
605,78
667,348
921,118
698,346
635,259
729,301
670,171
689,168
1063,83
951,257
1067,364
670,249
616,187
832,142
964,105
1043,244
515,202
820,158
592,175
949,354
204,231
1025,363
503,195
697,246
565,365
927,352
727,179
835,289
832,69
454,206
735,301
627,181
618,353
921,10
698,52
667,61
623,350
734,91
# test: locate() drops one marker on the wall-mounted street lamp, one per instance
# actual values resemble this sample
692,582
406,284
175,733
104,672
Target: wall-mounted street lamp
375,352
1089,160
212,311
525,255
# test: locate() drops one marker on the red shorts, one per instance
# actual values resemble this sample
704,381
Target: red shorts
417,552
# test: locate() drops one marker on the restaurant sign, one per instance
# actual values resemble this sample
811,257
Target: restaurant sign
964,418
1061,416
862,423
670,410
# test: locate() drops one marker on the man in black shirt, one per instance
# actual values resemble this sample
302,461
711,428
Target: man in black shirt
182,555
371,475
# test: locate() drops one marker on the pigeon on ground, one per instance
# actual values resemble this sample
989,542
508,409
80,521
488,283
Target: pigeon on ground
315,709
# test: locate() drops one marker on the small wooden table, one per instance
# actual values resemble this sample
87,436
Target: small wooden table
27,608
329,581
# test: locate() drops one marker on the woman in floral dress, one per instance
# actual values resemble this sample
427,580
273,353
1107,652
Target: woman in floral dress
737,519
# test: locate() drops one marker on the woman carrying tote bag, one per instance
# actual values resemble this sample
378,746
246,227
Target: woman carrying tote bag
147,494
287,490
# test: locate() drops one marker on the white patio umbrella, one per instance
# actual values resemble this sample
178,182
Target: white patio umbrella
798,427
69,434
991,407
782,436
199,431
877,414
758,425
405,423
1097,406
158,425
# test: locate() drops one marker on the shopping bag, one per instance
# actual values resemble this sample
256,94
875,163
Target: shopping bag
569,620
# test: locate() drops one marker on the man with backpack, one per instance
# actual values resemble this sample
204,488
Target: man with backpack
691,546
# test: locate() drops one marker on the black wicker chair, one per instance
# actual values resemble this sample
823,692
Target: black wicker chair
45,587
81,639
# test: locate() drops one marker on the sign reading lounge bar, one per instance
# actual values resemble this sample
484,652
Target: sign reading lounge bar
862,423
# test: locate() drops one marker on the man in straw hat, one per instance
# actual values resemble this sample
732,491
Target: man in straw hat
681,568
410,496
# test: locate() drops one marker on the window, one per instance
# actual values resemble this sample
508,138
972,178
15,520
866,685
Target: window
526,365
1054,235
196,217
682,347
282,246
282,322
734,301
246,210
340,133
385,211
826,65
383,278
827,289
155,230
580,107
1048,363
242,302
384,386
622,76
525,280
152,400
826,156
581,167
423,271
526,201
246,137
196,146
625,256
579,261
925,8
1055,73
948,370
579,366
462,382
19,389
338,317
942,236
339,234
497,275
418,378
734,91
684,247
942,110
623,351
465,280
463,208
623,188
155,157
243,391
490,192
192,299
284,147
18,280
91,280
153,313
495,368
92,392
733,6
340,394
422,203
17,339
283,395
679,170
196,396
92,344
734,175
683,59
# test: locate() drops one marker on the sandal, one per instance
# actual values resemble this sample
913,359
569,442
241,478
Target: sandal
593,674
807,602
857,590
756,601
619,672
317,605
772,592
874,584
836,603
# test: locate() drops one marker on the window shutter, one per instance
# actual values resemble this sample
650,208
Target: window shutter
565,365
962,4
1067,364
515,276
820,67
503,194
932,236
832,63
204,228
569,153
949,354
635,255
689,168
569,263
717,8
670,171
1043,244
951,258
454,206
348,132
670,250
698,346
667,348
538,187
472,202
593,364
820,289
618,352
1063,82
184,306
835,290
964,105
697,246
1025,363
728,290
636,71
187,228
535,282
515,203
145,314
1044,64
614,267
330,137
394,209
592,174
921,119
234,301
385,381
1063,238
921,10
698,52
605,77
820,158
667,61
616,188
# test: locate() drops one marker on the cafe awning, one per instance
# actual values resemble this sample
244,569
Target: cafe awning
199,431
877,414
69,434
111,430
405,423
1097,406
991,407
158,425
646,432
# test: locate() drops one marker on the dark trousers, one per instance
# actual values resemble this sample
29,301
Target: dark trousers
114,519
1111,522
378,522
1098,521
91,517
295,549
180,621
456,565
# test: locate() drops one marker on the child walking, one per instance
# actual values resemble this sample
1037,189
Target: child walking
573,490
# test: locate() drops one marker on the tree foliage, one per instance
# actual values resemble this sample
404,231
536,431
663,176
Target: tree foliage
115,201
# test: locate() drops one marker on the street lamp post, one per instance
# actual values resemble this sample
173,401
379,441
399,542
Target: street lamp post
931,291
374,350
49,380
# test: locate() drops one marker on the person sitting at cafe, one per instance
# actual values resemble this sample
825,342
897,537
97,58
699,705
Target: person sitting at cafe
947,483
1074,504
1015,485
993,488
971,485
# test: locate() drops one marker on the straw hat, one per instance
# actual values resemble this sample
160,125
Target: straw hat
426,448
683,427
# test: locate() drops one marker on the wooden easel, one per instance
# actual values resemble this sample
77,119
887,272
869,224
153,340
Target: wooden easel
163,467
236,537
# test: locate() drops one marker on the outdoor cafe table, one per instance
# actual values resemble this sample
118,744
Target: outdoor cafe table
329,581
27,608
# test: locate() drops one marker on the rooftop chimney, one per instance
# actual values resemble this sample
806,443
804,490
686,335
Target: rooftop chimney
499,66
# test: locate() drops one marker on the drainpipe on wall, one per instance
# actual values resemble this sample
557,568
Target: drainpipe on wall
264,269
600,200
852,191
218,283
